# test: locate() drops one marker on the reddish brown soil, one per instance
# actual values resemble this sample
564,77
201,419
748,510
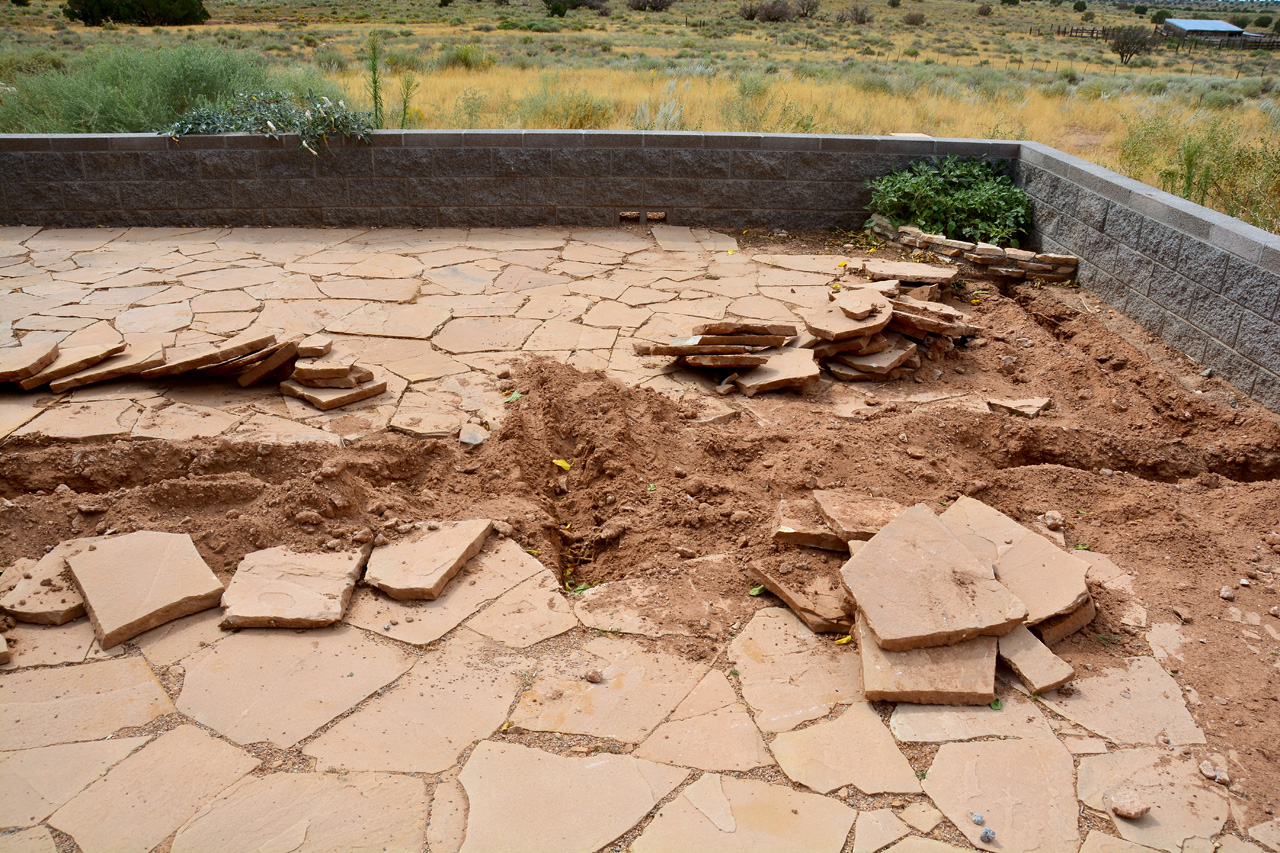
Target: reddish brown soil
1190,487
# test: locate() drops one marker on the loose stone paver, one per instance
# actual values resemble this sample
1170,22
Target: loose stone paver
419,567
709,730
1183,804
788,675
875,830
910,272
509,788
854,749
854,516
496,569
148,795
44,593
284,588
41,707
36,782
636,691
529,613
786,368
985,531
484,334
820,603
1023,789
28,359
280,686
453,697
1268,833
1040,669
34,840
1017,718
961,674
72,359
47,645
1133,705
310,813
724,813
173,641
135,582
952,596
1048,580
84,421
799,522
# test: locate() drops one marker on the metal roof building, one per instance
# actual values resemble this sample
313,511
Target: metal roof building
1190,27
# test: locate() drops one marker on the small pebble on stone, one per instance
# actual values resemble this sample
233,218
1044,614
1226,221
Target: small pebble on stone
1227,594
988,835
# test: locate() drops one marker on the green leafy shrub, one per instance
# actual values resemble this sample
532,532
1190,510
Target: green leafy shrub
148,13
314,118
964,199
1079,5
470,56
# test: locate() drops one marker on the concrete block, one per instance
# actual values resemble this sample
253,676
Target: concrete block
672,192
521,162
614,192
556,191
1259,341
1266,389
492,138
200,195
91,195
1270,259
344,163
906,145
850,144
494,191
759,165
827,166
33,195
1185,337
465,162
583,163
1133,268
53,166
408,217
1170,210
179,165
1123,224
1218,316
1231,366
224,165
1144,312
468,217
370,192
553,139
350,217
404,162
291,217
612,139
1252,286
1204,264
701,163
150,195
432,139
1239,238
586,217
791,142
78,142
733,141
1091,209
641,163
1171,290
286,164
1160,243
24,142
526,216
139,142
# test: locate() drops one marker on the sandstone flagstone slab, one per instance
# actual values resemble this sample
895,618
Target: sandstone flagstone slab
392,320
325,399
1040,669
279,686
457,694
84,421
45,593
148,795
135,582
500,566
420,566
820,602
37,781
637,690
786,368
831,324
877,829
921,816
960,674
852,516
41,707
72,360
919,587
788,675
509,786
533,611
724,813
180,422
311,813
206,355
37,839
984,530
484,334
1016,718
173,641
1098,842
690,605
49,645
1132,705
1183,804
710,730
136,357
447,826
1048,580
283,588
911,272
28,359
1030,800
1268,833
854,749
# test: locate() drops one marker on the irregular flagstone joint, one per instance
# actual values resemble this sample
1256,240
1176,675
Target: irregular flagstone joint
529,613
877,829
709,730
788,675
140,580
509,787
419,567
723,813
854,749
37,781
799,523
1017,718
311,813
1023,788
919,587
48,596
41,707
148,795
283,588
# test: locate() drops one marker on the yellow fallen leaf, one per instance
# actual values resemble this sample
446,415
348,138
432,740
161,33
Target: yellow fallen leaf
843,264
844,639
562,463
506,725
731,250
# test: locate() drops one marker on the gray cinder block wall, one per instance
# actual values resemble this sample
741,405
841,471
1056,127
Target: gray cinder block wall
1206,283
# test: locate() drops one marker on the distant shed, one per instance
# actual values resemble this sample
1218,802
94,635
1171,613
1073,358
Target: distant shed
1186,27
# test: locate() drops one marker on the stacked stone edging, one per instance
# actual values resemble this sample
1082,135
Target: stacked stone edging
1008,262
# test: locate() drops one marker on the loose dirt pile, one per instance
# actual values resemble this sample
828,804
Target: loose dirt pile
1176,476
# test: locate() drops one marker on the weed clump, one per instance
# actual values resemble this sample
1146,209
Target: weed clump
965,199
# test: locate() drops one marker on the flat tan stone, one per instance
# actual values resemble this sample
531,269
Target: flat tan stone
386,319
820,604
283,588
859,303
136,357
745,327
509,786
269,430
5,655
281,359
1133,705
311,813
725,813
1268,833
910,272
725,361
710,730
1048,580
26,360
875,830
447,827
484,334
280,686
1057,628
50,645
917,317
786,368
562,335
1040,669
1029,407
501,565
314,346
1184,805
615,315
804,263
960,674
334,363
1098,842
984,530
852,516
898,351
173,641
831,324
48,596
84,421
533,611
922,817
921,845
854,749
690,605
639,689
144,798
325,399
72,360
1023,788
418,568
1017,718
180,422
47,706
788,675
135,582
37,781
206,355
429,415
457,694
952,596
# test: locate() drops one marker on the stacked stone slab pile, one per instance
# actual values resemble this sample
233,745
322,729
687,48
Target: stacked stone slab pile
935,601
1011,263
